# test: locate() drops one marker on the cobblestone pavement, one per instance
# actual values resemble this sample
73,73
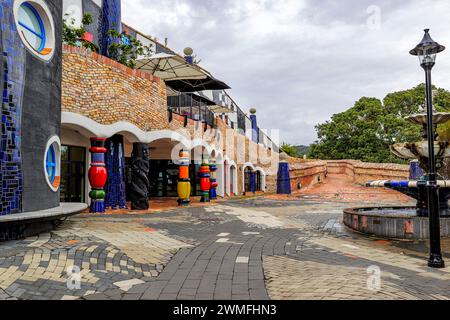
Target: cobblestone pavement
248,249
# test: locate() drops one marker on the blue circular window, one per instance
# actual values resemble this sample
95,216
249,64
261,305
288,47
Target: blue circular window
50,164
35,27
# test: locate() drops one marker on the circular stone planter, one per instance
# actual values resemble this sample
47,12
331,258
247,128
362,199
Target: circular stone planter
392,222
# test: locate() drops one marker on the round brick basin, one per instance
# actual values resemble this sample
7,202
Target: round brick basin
392,222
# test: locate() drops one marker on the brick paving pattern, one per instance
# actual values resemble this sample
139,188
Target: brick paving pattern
253,249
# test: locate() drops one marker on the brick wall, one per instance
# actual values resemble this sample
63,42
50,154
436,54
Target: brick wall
109,92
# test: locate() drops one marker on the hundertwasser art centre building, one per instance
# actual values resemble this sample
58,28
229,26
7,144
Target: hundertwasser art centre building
81,129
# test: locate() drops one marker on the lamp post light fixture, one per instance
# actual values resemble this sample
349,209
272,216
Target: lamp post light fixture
427,50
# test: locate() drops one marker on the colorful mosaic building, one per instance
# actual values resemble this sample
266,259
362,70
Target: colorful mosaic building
80,127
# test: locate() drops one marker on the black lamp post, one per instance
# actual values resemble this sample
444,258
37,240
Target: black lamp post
427,51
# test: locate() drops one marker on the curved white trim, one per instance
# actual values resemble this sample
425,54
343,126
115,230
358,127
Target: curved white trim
53,140
92,128
248,164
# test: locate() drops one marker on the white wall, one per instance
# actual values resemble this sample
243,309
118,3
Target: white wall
74,10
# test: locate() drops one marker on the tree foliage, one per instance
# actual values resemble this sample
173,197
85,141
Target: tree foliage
126,49
290,150
367,130
73,35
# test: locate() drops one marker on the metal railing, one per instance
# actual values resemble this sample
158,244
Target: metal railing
187,105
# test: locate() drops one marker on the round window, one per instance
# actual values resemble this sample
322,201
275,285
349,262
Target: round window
52,163
35,26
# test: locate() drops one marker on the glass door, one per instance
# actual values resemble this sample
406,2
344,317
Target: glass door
73,174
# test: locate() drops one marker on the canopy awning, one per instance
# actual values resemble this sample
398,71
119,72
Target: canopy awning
192,85
170,67
188,100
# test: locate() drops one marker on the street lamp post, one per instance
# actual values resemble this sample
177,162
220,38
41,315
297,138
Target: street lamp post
427,50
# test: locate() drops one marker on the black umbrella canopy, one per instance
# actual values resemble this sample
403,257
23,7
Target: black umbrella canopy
193,85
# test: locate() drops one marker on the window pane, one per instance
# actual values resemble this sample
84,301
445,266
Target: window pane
32,39
31,21
77,154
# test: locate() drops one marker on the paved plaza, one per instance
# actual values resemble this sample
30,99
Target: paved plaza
260,248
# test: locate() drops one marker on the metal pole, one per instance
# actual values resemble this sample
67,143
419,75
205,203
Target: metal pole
436,260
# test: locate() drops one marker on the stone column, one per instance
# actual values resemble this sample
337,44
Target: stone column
284,179
213,168
184,182
140,186
98,175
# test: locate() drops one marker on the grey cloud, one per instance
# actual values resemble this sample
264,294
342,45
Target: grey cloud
300,61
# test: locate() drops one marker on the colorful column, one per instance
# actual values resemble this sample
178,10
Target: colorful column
115,165
213,168
284,179
98,175
205,179
184,183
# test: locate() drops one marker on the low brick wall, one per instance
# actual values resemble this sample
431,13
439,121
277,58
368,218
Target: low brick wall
306,173
362,172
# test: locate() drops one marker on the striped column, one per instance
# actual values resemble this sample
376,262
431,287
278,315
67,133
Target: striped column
205,179
184,183
98,175
214,185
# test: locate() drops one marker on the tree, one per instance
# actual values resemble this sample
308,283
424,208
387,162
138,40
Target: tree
290,150
367,130
126,49
73,35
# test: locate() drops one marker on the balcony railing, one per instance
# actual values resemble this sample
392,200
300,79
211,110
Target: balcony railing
191,106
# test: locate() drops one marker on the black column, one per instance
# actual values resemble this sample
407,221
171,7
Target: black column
140,185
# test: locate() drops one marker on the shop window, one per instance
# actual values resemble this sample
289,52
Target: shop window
35,27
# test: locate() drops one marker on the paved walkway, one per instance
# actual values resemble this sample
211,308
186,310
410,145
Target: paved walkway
258,249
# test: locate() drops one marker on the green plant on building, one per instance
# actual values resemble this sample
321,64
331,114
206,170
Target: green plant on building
73,35
126,49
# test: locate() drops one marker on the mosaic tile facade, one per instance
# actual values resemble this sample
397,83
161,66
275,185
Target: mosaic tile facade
111,20
13,64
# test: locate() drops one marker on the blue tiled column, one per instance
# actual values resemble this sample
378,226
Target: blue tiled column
13,78
255,129
111,20
284,179
115,164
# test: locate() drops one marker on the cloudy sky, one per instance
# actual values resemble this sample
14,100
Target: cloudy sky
301,61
